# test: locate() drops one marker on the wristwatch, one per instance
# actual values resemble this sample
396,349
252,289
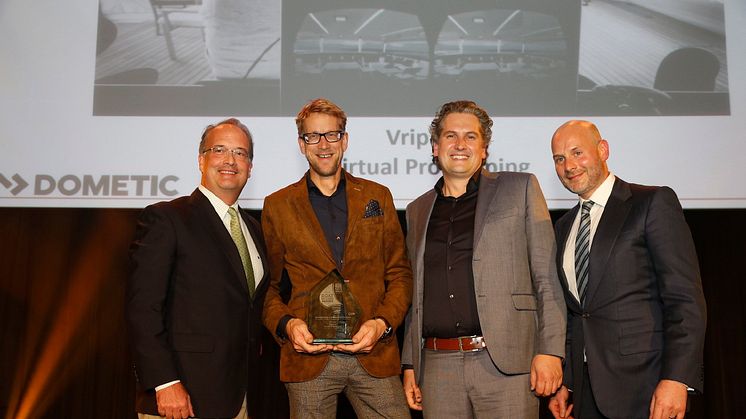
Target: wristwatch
389,330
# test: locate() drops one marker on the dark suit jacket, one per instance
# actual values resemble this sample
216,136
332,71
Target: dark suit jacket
644,316
375,264
519,300
188,309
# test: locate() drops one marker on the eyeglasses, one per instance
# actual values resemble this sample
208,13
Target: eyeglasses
220,151
315,137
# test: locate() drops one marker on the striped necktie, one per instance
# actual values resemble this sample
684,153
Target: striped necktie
583,250
243,249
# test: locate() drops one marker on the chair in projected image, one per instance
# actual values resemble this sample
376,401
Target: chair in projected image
688,69
107,33
170,15
690,77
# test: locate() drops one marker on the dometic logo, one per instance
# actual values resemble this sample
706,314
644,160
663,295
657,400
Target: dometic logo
89,185
18,181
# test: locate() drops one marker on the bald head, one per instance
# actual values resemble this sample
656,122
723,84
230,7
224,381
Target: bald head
580,156
578,127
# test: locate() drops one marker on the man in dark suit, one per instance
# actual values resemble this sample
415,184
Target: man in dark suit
330,220
636,312
196,290
487,322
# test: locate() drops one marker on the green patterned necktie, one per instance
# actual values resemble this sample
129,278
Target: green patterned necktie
243,249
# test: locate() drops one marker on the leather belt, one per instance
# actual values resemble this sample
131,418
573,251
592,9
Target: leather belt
462,344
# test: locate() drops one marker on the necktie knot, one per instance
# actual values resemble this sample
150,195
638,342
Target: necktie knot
587,205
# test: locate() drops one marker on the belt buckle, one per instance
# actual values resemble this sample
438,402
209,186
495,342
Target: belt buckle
461,344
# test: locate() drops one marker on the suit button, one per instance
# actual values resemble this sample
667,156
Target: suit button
586,315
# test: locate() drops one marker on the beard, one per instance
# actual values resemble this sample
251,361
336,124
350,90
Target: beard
592,180
328,168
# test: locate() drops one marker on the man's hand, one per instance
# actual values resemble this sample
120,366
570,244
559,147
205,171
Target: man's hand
546,374
174,402
558,404
365,338
297,332
412,390
669,400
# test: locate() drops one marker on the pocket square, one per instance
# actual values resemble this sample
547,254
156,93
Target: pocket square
372,209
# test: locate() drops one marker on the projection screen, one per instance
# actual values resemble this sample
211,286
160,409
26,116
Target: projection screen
102,103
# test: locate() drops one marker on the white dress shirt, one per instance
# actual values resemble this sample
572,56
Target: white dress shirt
222,209
599,197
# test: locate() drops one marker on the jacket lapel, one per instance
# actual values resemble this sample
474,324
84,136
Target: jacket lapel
355,205
612,220
303,209
488,185
220,235
563,231
421,214
256,237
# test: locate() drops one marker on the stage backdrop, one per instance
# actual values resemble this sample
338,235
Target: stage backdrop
102,103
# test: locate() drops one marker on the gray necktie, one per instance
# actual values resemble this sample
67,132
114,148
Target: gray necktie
243,249
582,250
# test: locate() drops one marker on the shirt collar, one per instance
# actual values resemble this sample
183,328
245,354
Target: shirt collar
312,188
220,207
471,187
601,195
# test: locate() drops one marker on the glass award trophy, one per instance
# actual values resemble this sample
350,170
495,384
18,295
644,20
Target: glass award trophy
333,313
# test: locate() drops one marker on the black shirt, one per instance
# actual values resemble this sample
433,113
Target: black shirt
449,303
331,211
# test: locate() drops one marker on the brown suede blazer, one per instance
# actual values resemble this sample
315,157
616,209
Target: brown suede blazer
376,266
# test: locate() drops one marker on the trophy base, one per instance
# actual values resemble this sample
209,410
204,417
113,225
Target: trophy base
332,341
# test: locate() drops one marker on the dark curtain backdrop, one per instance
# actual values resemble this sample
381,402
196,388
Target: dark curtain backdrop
63,351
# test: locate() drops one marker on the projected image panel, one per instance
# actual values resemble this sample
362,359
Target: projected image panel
188,57
404,58
332,43
371,60
513,61
655,57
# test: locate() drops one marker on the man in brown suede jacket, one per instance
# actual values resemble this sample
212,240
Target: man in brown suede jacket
330,220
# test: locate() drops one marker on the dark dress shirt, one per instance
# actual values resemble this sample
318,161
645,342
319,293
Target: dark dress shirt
331,211
449,303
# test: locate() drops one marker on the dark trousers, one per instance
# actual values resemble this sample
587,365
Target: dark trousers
587,408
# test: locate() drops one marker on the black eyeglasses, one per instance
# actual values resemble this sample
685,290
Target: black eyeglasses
220,151
315,137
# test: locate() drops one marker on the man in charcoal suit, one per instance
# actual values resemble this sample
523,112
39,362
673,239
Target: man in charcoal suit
636,312
195,294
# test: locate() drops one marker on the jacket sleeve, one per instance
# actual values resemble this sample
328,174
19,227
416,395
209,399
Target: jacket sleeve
409,327
152,256
397,271
274,308
674,258
542,248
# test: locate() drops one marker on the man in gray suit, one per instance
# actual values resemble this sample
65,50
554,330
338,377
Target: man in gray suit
487,322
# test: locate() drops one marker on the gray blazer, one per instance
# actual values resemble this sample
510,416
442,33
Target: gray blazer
519,298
